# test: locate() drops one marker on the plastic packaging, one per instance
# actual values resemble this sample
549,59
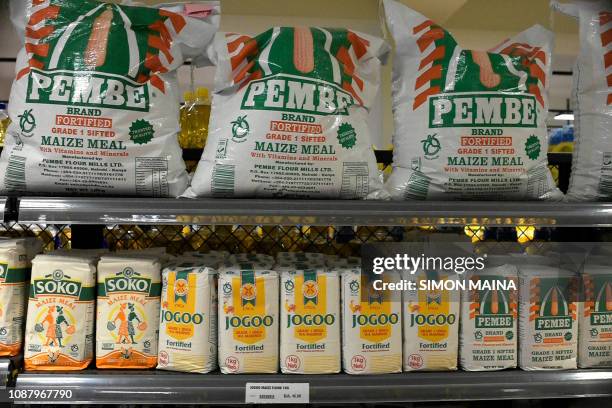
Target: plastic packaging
248,321
127,322
106,123
591,176
60,322
188,319
289,115
468,124
310,322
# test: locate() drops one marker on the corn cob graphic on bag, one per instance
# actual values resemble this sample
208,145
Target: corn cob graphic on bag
94,104
468,124
591,177
289,116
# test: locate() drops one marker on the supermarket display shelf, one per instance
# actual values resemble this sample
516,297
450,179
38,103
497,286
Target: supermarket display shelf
106,210
159,387
8,367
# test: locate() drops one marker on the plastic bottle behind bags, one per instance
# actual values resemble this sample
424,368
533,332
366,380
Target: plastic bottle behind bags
468,124
289,116
105,123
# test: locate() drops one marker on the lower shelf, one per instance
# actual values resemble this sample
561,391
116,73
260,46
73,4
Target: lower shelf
160,387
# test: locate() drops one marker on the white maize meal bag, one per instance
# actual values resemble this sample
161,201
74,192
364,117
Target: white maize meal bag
290,115
248,321
310,322
595,317
591,176
60,324
127,322
488,335
94,106
14,270
188,319
431,324
468,124
371,325
548,325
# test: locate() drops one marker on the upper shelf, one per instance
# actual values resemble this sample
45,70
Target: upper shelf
94,210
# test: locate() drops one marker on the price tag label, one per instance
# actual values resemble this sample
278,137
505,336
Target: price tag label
277,393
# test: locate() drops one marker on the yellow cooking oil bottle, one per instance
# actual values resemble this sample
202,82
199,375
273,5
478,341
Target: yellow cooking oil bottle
200,118
186,119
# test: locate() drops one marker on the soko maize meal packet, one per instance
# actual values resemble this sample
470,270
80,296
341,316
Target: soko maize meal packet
548,325
591,176
60,324
468,124
127,321
289,115
14,270
371,324
94,104
431,324
489,313
310,322
188,319
595,317
248,321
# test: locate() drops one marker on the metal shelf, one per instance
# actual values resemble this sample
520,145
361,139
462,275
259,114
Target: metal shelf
94,210
159,387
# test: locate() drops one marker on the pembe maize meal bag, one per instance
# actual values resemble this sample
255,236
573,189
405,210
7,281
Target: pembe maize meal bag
488,330
468,124
13,296
60,319
591,176
188,318
310,321
548,325
595,317
289,115
431,324
94,104
371,324
127,321
248,321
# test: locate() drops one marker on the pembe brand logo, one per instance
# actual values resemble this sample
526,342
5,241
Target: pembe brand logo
297,94
127,280
57,283
482,110
431,146
91,89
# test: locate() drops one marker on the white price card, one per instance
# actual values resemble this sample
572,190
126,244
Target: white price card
277,393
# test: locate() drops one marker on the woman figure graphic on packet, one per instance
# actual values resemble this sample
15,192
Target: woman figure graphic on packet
131,317
51,332
123,325
58,325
